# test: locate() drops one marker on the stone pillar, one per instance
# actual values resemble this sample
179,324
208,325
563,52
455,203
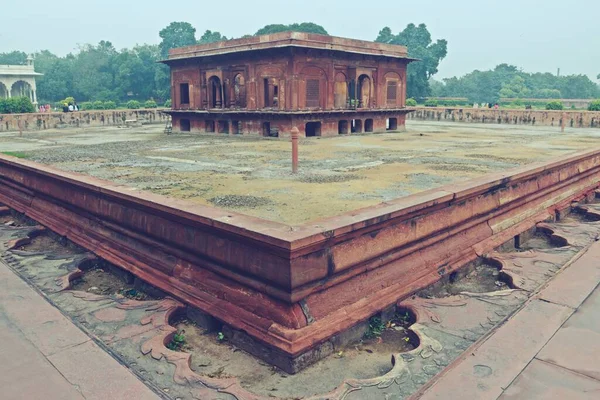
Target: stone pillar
294,133
34,97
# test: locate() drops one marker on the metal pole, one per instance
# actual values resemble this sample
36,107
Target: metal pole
295,133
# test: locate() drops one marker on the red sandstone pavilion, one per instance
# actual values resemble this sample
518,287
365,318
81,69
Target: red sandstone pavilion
267,84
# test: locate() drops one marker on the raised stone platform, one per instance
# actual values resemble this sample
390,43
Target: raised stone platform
293,290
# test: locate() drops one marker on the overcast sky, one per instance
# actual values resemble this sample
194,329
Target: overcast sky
536,35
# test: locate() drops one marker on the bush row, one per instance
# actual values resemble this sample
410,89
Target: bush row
110,105
16,105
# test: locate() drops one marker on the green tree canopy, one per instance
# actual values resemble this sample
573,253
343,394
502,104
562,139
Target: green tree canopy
308,27
211,37
507,81
420,45
13,58
177,34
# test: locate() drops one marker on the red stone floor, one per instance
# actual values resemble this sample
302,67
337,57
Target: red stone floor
550,349
43,355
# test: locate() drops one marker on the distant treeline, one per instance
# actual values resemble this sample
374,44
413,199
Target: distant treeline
101,73
507,81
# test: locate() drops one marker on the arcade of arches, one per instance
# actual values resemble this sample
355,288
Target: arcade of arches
18,81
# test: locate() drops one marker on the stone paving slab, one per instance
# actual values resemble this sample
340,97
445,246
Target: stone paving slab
548,350
576,345
24,372
485,372
43,355
573,285
543,381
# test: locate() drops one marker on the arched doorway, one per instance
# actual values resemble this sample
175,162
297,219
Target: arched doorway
215,93
21,89
364,91
3,91
239,91
340,91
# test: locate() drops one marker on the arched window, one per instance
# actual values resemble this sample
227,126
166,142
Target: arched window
215,93
239,91
364,91
340,91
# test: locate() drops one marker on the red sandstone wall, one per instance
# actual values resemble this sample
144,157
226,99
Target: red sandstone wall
81,119
575,119
289,72
251,273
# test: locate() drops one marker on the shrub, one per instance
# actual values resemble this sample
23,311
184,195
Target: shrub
110,105
554,105
16,105
133,104
86,105
411,102
168,103
594,105
98,105
150,104
68,100
431,103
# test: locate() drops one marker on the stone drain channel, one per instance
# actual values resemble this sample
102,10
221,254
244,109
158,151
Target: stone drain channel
182,354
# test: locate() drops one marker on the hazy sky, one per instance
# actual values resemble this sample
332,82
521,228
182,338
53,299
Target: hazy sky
537,35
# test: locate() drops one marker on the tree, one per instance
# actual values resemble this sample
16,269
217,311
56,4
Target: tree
13,58
93,72
57,81
594,105
508,81
308,27
211,37
177,34
420,45
515,88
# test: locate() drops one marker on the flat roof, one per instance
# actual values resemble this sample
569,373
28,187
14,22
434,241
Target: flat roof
290,39
18,70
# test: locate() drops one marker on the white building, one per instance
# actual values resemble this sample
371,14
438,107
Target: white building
18,80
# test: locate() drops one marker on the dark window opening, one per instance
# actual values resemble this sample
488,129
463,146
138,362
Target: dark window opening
266,90
266,128
368,125
343,127
312,93
275,96
184,93
210,126
313,129
184,125
392,124
239,91
356,126
215,93
236,127
223,126
392,87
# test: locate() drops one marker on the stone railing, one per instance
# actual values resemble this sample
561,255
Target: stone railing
80,119
574,119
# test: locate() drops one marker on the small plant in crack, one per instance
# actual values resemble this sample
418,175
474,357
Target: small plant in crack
376,328
134,294
177,341
220,337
